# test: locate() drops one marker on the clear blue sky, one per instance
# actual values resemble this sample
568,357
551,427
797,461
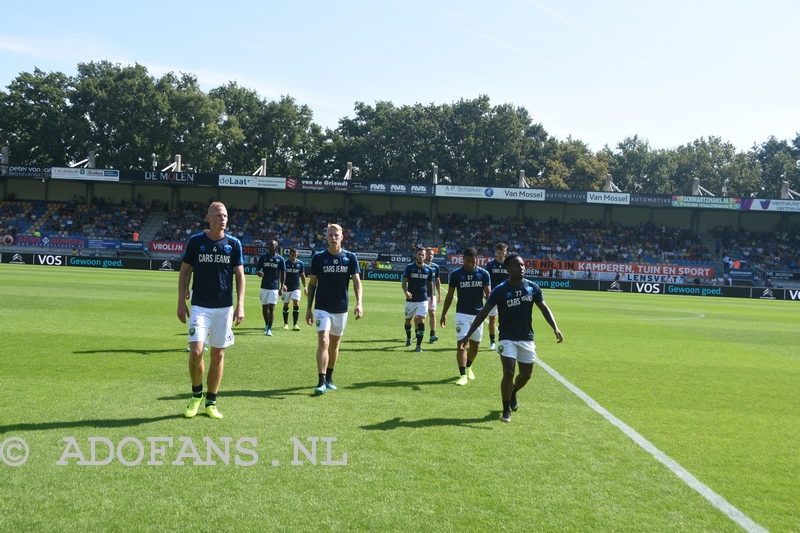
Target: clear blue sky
669,71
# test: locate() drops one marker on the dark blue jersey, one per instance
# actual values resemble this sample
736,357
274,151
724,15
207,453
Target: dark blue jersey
418,278
515,309
293,272
436,273
333,279
213,264
271,266
469,285
497,272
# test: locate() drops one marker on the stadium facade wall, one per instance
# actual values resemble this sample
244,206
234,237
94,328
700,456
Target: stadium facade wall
685,212
611,287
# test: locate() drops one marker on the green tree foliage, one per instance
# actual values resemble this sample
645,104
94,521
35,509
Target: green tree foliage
584,170
253,128
189,123
115,111
778,163
35,118
126,114
635,167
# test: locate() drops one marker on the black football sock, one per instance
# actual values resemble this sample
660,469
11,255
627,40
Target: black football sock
420,333
491,339
469,363
211,398
321,382
286,317
506,406
408,332
295,315
329,375
197,392
462,370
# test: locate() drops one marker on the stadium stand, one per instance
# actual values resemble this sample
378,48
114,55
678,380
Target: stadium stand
759,250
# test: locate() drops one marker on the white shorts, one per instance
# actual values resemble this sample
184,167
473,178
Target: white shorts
288,296
269,296
522,351
419,309
333,323
493,312
212,323
463,323
432,307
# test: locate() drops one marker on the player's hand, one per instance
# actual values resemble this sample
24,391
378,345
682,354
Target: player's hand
238,315
260,274
309,317
358,312
305,291
462,343
559,336
409,296
183,311
443,321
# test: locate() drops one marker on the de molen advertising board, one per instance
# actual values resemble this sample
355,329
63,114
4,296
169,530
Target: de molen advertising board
88,174
329,185
415,189
252,182
490,193
179,179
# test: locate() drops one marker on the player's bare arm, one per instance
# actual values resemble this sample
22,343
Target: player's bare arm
405,289
359,310
447,301
183,290
548,316
312,290
238,313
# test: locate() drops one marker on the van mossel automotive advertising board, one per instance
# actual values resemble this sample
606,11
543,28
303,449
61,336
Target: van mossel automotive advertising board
490,193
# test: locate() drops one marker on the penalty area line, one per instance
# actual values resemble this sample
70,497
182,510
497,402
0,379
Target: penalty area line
715,499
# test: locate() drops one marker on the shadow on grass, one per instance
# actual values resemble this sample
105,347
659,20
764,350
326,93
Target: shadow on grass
398,422
276,394
99,423
141,351
371,341
413,385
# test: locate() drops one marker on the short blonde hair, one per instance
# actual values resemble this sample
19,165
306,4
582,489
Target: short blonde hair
216,204
336,227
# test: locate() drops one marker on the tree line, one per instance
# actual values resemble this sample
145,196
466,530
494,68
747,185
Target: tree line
126,115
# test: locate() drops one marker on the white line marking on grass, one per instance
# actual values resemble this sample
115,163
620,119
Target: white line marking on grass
697,315
715,499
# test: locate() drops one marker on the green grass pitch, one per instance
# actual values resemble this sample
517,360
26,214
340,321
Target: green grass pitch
712,383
